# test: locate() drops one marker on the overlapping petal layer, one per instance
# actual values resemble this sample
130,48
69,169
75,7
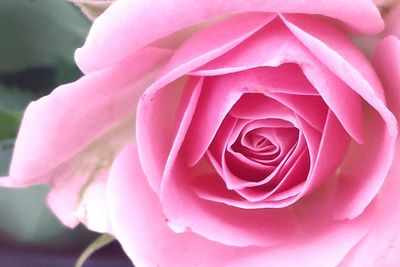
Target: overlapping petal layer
120,33
69,142
218,187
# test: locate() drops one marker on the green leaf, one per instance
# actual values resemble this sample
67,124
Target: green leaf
6,147
25,217
39,33
35,35
9,124
13,99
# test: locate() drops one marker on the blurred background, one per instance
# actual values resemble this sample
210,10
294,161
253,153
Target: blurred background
37,43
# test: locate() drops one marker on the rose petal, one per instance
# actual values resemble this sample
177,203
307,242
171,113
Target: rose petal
215,101
366,85
382,243
141,227
257,106
212,42
157,125
72,181
93,209
120,33
333,147
60,125
275,45
387,64
325,36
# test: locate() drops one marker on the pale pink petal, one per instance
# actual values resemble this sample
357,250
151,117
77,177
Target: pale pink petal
93,208
142,229
129,25
71,182
60,125
69,142
63,198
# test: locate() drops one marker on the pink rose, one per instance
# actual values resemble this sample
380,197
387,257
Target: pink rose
226,133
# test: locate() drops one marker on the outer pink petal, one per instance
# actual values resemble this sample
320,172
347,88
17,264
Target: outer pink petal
60,125
275,45
331,46
382,245
143,231
340,57
387,64
93,209
129,25
68,138
72,181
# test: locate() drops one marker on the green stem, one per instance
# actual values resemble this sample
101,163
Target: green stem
97,244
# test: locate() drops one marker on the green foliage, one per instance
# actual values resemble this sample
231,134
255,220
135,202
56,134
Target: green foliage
39,33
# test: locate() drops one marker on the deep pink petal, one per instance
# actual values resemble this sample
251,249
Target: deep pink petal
129,25
253,106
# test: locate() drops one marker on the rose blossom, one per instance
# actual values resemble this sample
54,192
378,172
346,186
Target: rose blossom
226,133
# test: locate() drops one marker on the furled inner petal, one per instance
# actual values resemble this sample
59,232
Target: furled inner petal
244,167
